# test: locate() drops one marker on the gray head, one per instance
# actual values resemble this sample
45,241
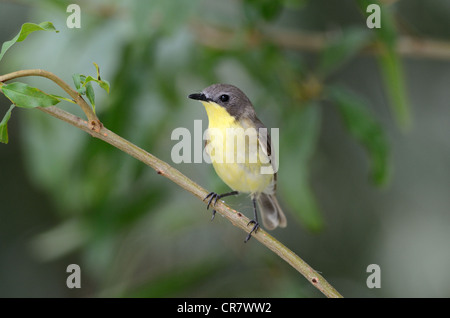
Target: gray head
228,96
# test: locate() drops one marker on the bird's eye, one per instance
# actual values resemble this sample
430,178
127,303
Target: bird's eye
224,98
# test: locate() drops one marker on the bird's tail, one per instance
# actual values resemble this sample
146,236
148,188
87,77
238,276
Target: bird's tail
272,215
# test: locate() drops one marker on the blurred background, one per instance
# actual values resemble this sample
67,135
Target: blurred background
364,164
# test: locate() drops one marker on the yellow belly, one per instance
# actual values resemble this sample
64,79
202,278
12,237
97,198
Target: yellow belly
239,170
243,178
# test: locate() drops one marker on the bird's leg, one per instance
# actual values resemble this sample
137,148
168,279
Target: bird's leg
214,197
254,221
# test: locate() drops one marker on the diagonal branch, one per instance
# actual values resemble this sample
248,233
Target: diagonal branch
164,169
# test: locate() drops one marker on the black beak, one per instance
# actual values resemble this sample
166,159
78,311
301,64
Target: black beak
198,96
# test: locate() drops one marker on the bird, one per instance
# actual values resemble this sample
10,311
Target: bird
233,121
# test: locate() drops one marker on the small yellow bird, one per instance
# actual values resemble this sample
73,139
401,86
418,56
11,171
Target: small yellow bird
230,110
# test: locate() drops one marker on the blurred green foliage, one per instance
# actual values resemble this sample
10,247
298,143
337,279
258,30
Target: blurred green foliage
137,234
390,64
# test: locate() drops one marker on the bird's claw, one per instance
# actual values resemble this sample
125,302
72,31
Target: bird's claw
254,229
212,197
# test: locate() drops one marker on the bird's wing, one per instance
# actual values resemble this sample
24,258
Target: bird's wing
264,141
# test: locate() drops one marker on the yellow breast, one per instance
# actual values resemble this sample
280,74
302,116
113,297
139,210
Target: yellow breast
243,172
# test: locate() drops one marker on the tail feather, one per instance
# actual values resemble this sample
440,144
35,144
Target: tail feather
272,215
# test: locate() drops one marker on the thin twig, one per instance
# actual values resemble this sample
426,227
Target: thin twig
227,39
94,122
164,169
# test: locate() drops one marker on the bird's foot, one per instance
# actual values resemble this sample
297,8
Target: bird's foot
254,229
214,197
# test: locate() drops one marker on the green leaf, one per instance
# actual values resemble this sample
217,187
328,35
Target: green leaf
390,63
393,76
102,83
362,125
25,96
300,134
63,98
4,126
341,49
90,94
78,80
83,84
98,71
26,29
